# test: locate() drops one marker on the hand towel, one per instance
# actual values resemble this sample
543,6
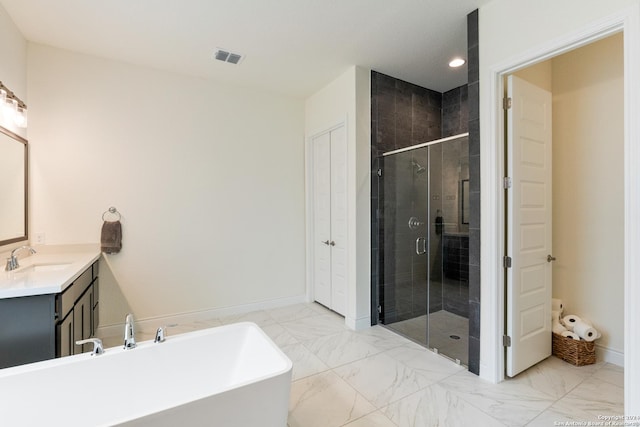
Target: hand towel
111,237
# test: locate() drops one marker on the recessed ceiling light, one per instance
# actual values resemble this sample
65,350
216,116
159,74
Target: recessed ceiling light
457,62
225,55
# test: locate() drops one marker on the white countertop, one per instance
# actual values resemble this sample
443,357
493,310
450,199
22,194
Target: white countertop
45,273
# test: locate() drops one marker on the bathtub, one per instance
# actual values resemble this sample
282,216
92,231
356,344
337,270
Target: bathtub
232,375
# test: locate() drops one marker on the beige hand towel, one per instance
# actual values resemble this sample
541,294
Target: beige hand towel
111,237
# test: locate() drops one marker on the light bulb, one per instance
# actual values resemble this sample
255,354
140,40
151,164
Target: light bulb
10,106
20,117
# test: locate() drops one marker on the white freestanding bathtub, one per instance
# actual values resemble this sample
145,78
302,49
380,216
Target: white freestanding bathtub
231,375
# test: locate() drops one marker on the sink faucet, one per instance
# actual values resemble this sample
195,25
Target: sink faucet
12,262
129,333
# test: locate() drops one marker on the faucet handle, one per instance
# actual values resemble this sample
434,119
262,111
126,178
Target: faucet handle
97,345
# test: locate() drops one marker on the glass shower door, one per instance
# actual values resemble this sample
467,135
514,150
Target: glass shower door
405,242
424,292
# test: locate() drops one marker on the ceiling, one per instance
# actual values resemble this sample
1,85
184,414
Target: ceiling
292,47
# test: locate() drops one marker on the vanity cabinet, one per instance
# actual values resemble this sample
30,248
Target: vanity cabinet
40,327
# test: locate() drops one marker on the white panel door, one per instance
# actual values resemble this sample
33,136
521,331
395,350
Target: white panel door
322,219
330,219
528,225
338,221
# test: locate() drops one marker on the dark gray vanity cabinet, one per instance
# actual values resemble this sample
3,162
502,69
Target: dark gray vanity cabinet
75,308
42,327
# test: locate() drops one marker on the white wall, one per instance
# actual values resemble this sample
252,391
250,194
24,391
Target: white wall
347,99
209,180
588,178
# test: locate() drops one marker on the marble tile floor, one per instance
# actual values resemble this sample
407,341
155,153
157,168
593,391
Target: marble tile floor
443,325
376,378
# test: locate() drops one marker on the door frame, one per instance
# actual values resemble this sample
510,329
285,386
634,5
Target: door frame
492,198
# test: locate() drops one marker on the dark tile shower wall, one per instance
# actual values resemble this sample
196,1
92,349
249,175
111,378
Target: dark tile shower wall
402,114
474,191
455,111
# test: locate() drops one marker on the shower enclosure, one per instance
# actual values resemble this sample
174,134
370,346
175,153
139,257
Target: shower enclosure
424,292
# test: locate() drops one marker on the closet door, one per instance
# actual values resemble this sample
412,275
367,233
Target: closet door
322,219
330,219
338,242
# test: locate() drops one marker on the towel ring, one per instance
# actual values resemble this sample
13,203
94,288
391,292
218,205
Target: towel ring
113,211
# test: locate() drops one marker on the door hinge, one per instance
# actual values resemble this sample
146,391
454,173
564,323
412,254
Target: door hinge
506,103
379,309
506,182
506,262
506,341
379,172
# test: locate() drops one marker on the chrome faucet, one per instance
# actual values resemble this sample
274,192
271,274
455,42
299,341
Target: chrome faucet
12,261
97,345
160,334
129,333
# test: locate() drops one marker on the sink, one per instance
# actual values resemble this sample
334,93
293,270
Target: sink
44,267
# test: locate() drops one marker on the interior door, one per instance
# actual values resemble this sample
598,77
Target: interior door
529,213
330,219
338,220
322,218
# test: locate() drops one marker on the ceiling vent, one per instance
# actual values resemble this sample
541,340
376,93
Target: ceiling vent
225,56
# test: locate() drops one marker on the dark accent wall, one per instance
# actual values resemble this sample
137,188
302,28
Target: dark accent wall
473,65
402,114
455,111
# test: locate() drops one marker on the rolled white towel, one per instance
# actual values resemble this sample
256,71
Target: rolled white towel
569,321
585,331
558,328
571,335
557,305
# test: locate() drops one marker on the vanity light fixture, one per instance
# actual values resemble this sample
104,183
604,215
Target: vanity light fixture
13,107
457,62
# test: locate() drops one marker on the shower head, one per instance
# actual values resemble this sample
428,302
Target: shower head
419,168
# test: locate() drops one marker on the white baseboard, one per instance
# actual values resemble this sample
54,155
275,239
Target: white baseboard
358,324
194,316
610,356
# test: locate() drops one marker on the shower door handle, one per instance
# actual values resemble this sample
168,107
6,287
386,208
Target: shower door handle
424,246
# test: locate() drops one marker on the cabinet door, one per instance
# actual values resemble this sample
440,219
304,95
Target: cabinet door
65,336
82,321
95,318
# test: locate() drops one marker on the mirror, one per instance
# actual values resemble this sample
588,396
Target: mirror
13,187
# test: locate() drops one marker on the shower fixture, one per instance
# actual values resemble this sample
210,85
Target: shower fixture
419,168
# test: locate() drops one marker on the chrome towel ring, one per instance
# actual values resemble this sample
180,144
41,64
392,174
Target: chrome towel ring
112,211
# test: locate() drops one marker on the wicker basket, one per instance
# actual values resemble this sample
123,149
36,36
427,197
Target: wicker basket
578,353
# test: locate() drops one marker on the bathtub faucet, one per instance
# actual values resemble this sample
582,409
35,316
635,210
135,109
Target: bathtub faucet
129,333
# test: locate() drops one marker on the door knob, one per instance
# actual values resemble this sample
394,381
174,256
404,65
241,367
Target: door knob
332,243
326,242
550,258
